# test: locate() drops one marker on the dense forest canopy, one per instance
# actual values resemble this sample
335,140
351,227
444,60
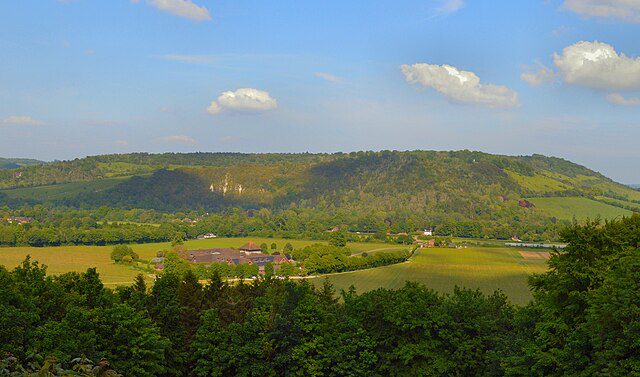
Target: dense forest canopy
584,320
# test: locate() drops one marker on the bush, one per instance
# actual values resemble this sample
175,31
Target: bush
121,251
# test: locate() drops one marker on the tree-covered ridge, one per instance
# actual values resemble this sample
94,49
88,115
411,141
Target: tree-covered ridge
469,193
15,163
584,320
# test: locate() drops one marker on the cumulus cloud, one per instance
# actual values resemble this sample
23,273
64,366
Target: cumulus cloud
182,8
22,120
243,100
628,10
327,76
620,100
597,65
179,139
459,86
539,75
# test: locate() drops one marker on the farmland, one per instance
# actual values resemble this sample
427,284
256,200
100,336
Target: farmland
442,269
487,268
78,258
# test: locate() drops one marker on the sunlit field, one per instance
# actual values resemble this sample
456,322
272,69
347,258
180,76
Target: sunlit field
442,269
78,258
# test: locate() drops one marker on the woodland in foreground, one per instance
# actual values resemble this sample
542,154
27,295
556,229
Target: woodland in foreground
584,320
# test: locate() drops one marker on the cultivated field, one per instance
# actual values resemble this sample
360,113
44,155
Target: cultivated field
78,258
442,269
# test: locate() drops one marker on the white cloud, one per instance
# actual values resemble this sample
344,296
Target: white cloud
22,120
327,76
122,143
535,76
459,86
179,139
243,100
597,65
620,100
449,6
182,8
628,10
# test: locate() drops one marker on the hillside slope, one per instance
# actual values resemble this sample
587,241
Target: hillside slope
440,186
15,163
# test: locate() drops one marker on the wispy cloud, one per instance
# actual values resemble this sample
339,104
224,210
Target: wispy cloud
538,75
620,100
218,58
327,76
22,120
446,7
181,8
190,59
627,10
179,139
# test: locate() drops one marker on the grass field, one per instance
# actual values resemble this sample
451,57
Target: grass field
78,258
612,201
442,269
64,190
538,183
566,208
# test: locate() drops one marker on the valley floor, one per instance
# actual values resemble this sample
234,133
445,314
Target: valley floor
486,268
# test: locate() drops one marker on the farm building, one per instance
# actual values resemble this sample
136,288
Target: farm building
251,247
206,236
235,257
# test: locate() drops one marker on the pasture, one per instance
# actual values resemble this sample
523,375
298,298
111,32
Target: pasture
442,269
63,259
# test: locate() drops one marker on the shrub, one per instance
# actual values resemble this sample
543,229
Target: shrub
121,251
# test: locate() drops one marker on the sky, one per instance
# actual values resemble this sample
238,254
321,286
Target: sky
559,78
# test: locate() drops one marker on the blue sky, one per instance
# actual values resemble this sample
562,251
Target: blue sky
86,77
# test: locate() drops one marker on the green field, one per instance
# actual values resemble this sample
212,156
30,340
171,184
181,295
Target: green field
442,269
64,190
566,208
78,258
538,183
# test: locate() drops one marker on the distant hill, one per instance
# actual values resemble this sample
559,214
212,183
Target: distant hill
15,163
415,185
635,186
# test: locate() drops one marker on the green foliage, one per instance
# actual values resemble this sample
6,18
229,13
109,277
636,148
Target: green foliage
123,253
322,259
338,239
